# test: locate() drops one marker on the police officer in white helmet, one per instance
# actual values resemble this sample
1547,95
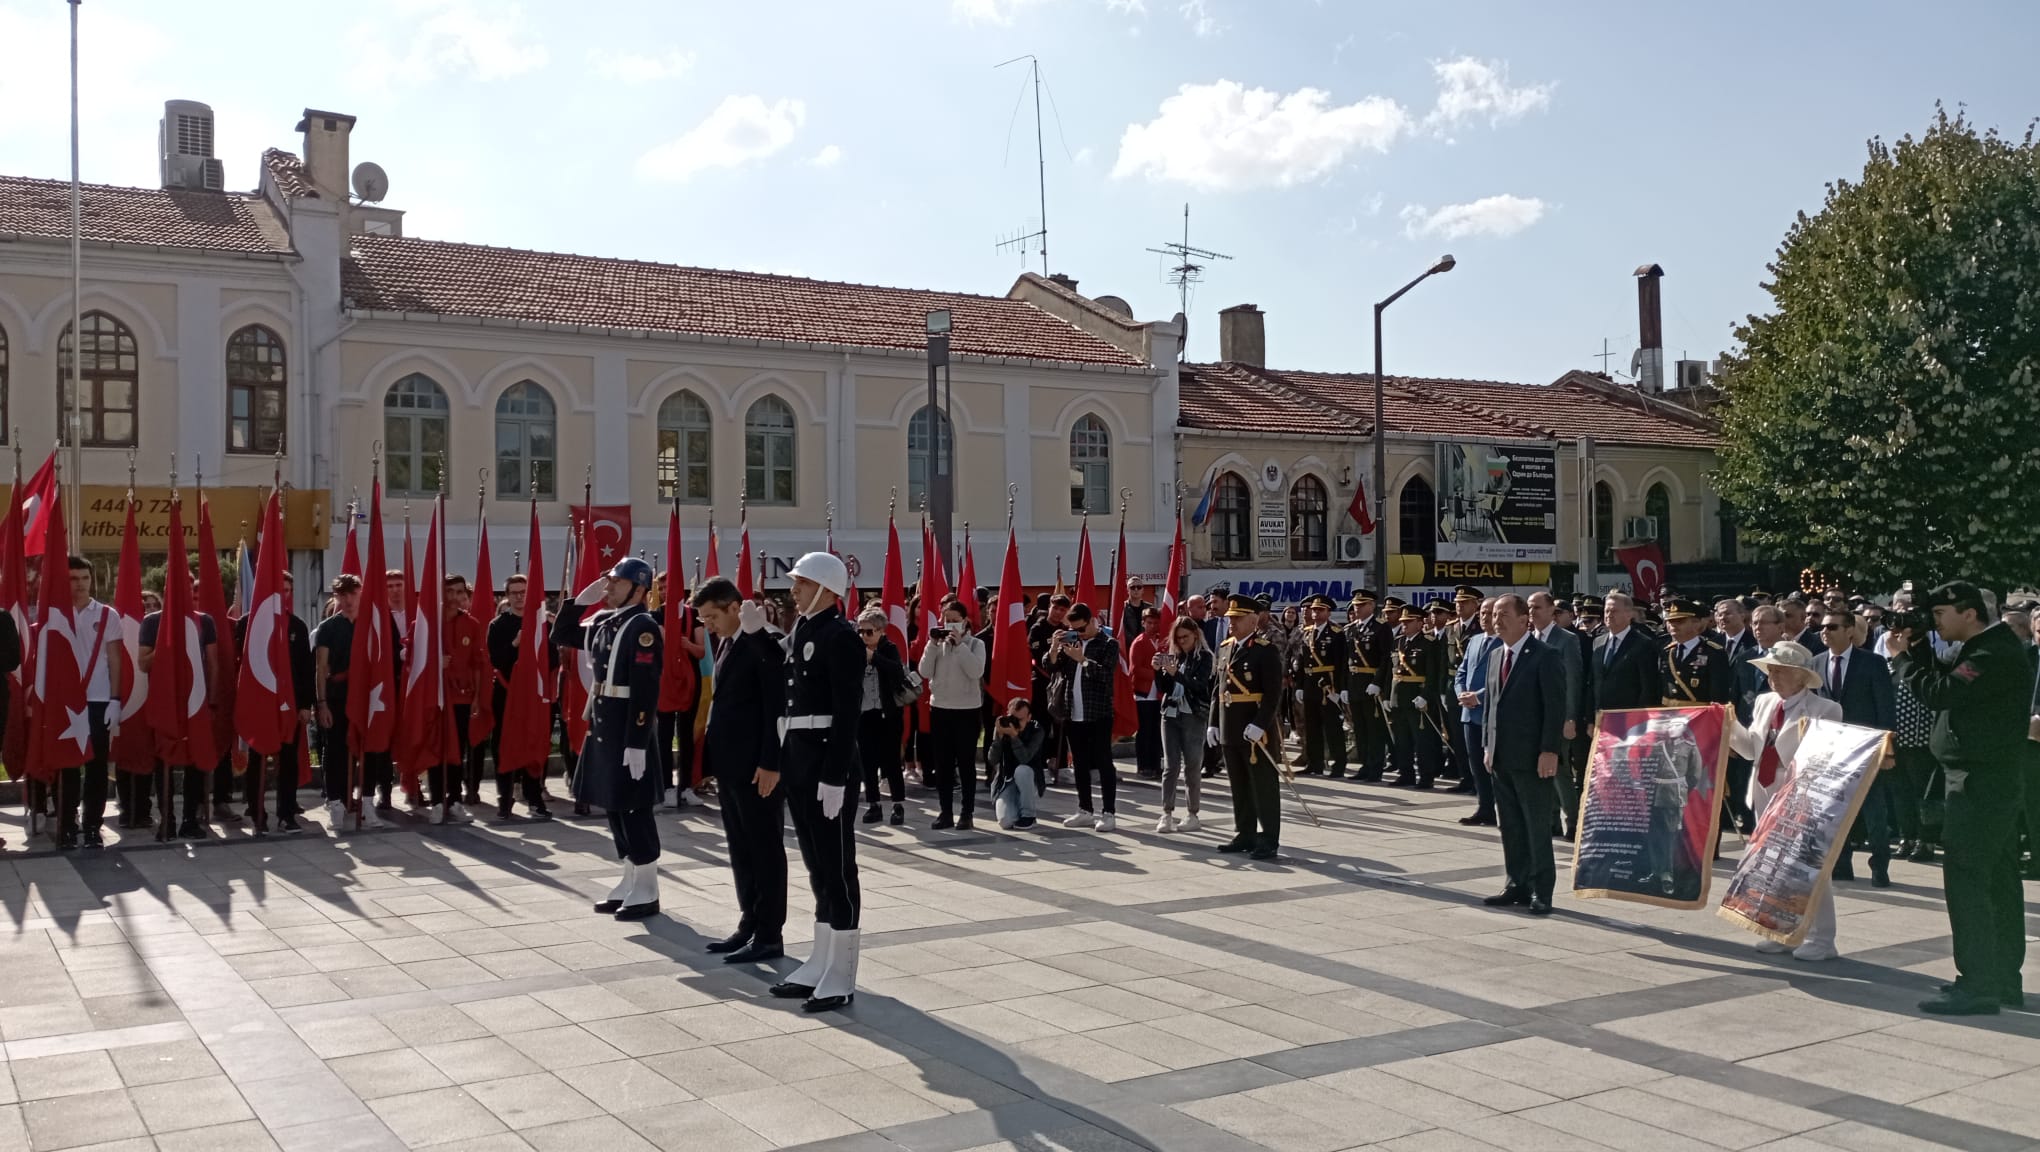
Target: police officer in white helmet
817,762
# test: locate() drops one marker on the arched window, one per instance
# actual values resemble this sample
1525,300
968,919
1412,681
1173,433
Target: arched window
683,449
1232,520
1657,504
1090,467
1308,505
1417,519
920,461
255,391
768,452
527,452
109,374
3,385
414,437
1604,524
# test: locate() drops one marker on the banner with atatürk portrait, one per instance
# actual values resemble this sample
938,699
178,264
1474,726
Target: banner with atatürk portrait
1651,806
1774,889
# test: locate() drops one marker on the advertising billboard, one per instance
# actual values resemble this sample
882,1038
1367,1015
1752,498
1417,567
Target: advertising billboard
1497,502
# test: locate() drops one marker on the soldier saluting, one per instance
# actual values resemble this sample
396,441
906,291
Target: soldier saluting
627,650
1319,673
817,761
1242,717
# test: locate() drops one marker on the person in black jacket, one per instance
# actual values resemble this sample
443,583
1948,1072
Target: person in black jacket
1625,659
741,746
1523,732
878,726
1081,664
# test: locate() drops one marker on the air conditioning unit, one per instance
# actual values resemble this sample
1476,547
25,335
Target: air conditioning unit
1692,374
1351,549
1639,527
187,148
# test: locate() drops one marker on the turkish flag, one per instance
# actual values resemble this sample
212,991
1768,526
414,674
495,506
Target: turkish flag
526,741
1646,570
681,680
1125,718
745,587
36,498
134,750
350,561
605,529
212,601
372,664
265,699
1012,663
934,590
178,707
427,726
60,724
481,713
1358,510
892,590
597,549
966,584
13,600
1086,591
1166,604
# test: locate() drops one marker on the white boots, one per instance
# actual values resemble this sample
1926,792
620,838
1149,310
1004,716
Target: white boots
802,980
619,895
828,979
643,898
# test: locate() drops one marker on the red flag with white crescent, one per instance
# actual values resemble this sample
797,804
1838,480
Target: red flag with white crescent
179,706
60,726
892,591
37,497
1646,566
350,560
966,584
526,742
372,665
134,750
934,590
265,700
1012,663
1166,603
212,601
14,601
482,713
427,723
680,683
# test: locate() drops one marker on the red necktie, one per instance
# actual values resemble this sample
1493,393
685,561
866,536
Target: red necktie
1767,764
1508,661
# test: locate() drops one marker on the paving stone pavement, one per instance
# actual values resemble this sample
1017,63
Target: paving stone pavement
1051,989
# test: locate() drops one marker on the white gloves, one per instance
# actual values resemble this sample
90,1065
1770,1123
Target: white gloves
750,617
113,720
1299,695
594,593
1211,737
1374,689
1419,702
634,759
1254,733
832,800
1342,697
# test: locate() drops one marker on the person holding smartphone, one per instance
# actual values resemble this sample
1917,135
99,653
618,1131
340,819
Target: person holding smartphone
951,664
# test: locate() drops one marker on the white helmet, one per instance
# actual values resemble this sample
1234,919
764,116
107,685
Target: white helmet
826,569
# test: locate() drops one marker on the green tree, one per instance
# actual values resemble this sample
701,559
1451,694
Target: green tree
1883,421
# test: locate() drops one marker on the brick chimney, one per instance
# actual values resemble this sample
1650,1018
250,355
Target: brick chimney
1065,279
326,152
1243,335
1650,326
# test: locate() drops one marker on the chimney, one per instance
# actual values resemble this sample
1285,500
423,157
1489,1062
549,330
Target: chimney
1243,336
326,152
1065,279
1649,365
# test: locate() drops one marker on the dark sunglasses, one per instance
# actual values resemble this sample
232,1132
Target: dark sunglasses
1836,627
867,631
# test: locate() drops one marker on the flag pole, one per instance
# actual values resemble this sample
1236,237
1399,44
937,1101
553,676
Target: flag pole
165,823
77,304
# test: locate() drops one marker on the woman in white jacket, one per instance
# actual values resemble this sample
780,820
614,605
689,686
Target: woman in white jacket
952,664
1769,742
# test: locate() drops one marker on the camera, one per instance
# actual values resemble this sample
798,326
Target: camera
1915,621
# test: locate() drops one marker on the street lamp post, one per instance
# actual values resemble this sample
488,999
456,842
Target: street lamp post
1444,264
941,449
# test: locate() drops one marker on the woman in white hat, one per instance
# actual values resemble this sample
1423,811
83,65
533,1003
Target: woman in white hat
1769,742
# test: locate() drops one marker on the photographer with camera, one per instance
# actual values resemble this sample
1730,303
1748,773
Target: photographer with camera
1185,676
1981,698
1013,766
951,664
1081,667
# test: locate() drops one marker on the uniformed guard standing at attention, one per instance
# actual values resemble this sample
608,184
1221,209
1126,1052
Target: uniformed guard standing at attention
615,773
1367,638
1243,725
1694,668
1319,673
818,760
1418,674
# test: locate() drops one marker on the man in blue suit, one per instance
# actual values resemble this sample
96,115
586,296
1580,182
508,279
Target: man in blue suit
1860,681
1523,732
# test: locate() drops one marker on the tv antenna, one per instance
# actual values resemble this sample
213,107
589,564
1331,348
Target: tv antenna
1019,241
1190,263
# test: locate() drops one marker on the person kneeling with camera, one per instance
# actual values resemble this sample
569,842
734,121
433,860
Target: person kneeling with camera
1013,764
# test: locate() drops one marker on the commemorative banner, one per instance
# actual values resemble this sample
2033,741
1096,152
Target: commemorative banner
1497,502
1651,806
1774,889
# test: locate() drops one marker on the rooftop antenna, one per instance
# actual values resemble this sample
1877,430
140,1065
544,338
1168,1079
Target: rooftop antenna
1190,263
1019,242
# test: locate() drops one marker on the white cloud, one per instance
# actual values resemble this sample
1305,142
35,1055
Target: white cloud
430,39
1202,23
830,156
1503,215
740,130
989,11
1127,7
1226,135
641,67
1471,89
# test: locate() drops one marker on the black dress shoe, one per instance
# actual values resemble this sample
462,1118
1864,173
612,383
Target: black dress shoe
540,812
1234,846
1478,819
787,990
503,809
1539,906
1269,853
873,814
827,1003
1402,782
67,840
608,907
730,943
943,821
1336,774
756,952
1845,868
964,822
1923,853
1880,876
1960,1002
91,838
191,830
899,816
1312,772
1507,898
581,809
643,911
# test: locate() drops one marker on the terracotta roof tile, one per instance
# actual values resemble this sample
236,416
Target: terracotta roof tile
1235,397
289,174
208,221
383,273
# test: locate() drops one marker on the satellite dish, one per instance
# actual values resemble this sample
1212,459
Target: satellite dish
371,183
1114,304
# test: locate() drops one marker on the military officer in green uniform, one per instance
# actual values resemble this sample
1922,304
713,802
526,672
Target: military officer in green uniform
1318,669
1367,640
1694,668
1417,689
1243,726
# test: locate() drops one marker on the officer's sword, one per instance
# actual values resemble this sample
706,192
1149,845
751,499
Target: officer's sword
1288,775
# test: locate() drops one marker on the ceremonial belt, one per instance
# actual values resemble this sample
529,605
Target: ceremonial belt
1684,688
1239,697
1364,670
1320,668
613,691
1409,679
804,723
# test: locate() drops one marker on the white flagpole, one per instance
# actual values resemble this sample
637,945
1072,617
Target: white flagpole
77,306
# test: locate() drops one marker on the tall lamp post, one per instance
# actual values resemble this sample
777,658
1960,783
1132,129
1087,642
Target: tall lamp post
941,449
1444,264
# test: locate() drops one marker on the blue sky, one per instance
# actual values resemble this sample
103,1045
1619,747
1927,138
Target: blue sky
1333,148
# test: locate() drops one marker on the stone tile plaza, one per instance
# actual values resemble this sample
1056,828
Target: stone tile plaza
1050,989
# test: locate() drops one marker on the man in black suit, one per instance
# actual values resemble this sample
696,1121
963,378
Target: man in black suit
741,746
1860,681
1625,660
1731,622
1522,733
